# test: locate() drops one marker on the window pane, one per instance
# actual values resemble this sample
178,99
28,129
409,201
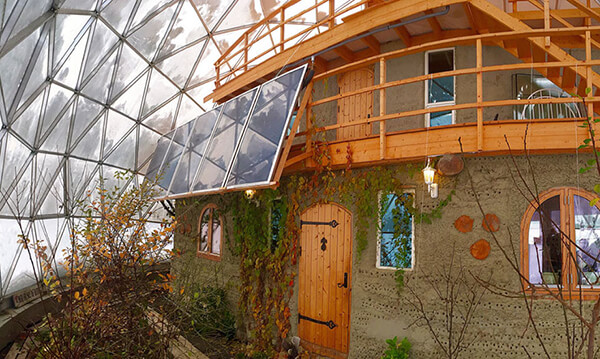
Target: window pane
587,227
440,118
440,61
216,234
204,230
545,259
396,232
441,90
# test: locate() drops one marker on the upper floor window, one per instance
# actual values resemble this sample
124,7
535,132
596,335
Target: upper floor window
561,241
396,232
531,86
211,233
439,91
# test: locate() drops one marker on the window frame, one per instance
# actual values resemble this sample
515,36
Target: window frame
380,226
445,103
569,285
208,253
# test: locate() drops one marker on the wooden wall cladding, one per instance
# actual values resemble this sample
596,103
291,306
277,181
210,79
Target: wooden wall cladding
491,223
464,224
480,249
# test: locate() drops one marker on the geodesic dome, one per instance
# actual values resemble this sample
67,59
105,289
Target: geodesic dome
87,89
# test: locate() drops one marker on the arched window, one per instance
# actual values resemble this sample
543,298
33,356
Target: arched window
560,241
210,233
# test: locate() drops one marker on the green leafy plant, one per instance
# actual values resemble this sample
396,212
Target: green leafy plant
397,350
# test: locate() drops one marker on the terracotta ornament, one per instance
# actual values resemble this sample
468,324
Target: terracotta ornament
464,224
491,223
480,249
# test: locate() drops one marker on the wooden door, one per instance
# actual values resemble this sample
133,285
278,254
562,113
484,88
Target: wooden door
325,279
356,107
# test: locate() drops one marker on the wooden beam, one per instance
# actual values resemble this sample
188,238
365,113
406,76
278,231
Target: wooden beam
433,22
470,18
552,136
345,53
479,54
588,11
295,126
320,64
382,108
404,35
372,42
564,13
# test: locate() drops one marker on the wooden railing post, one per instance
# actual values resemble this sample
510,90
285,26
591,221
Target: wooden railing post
331,13
588,73
218,75
382,109
479,96
281,30
246,51
547,21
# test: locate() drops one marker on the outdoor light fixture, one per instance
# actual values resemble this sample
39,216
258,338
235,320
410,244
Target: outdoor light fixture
250,193
429,177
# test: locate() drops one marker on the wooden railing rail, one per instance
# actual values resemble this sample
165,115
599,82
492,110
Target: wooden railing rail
244,44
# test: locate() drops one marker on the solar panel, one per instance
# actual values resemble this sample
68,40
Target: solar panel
233,146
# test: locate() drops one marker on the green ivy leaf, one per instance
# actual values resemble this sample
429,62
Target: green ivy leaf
594,201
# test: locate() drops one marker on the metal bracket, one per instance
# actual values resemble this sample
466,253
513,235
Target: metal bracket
333,223
329,324
323,244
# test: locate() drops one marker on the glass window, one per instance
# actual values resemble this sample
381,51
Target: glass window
527,86
210,232
562,225
440,91
396,234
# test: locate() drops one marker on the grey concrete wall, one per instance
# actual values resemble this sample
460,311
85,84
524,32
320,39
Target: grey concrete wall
379,312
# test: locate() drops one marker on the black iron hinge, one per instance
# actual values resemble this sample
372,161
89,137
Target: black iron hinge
332,223
329,324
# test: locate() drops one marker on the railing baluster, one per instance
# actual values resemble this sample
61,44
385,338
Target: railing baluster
479,96
382,109
282,30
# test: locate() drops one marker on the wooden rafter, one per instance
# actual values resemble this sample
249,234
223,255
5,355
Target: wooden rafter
433,22
470,17
345,53
372,43
404,35
320,64
585,9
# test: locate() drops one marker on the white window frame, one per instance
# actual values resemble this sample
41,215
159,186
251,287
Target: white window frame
445,103
412,239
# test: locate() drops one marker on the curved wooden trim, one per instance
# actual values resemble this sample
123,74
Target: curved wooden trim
570,291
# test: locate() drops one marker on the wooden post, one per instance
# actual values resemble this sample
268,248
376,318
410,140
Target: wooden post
382,109
331,13
246,51
547,21
309,126
217,77
588,73
479,97
281,30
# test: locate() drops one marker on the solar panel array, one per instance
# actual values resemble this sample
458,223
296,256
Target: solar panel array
233,146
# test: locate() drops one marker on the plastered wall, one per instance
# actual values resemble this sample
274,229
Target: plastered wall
379,312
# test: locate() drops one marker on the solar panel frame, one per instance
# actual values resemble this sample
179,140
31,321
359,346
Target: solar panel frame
282,137
269,182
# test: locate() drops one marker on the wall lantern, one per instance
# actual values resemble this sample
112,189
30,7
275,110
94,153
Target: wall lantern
250,193
429,177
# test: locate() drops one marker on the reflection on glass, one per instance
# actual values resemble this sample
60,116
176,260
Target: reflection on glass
440,118
441,89
395,250
545,258
216,233
587,225
204,223
266,128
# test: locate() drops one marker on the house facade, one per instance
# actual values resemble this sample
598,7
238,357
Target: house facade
496,255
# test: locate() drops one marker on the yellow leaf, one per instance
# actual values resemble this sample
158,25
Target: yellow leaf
84,292
76,295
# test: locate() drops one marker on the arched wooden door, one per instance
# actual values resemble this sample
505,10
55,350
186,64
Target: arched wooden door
325,279
356,107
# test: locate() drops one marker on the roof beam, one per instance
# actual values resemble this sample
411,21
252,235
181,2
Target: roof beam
433,22
345,53
404,35
585,9
372,43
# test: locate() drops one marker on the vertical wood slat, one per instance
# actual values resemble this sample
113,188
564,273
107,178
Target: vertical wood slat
321,330
309,126
355,107
348,269
314,278
282,30
331,13
479,96
245,51
340,272
547,21
382,109
589,76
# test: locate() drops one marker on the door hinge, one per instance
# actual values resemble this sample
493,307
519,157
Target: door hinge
330,324
333,223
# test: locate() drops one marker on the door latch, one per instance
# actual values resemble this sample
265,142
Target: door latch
323,244
345,284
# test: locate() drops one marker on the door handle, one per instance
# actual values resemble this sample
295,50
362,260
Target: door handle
345,284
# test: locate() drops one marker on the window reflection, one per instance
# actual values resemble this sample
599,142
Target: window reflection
545,258
587,245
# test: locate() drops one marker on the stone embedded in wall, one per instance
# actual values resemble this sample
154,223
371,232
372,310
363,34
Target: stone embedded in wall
480,249
464,224
491,223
